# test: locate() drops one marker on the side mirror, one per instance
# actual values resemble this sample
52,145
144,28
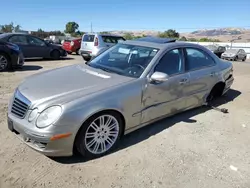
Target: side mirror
158,77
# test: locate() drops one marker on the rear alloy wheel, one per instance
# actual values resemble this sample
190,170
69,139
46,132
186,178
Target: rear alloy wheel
55,55
4,62
99,135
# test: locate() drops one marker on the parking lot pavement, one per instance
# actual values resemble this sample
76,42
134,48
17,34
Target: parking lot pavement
198,148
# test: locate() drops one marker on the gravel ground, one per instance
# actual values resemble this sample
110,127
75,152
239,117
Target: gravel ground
198,148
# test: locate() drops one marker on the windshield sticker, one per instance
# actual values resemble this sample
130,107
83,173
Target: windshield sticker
123,50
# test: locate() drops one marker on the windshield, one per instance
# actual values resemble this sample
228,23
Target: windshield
231,51
124,59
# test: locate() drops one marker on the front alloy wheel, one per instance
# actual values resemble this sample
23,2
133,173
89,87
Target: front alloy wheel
99,135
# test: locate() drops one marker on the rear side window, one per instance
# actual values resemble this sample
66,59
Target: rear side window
18,39
197,59
88,38
111,39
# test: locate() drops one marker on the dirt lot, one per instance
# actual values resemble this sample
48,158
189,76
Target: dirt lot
198,148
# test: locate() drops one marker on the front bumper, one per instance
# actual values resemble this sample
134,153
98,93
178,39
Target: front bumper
40,141
228,58
63,53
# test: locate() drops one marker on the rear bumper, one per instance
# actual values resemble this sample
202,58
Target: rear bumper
85,53
228,84
63,53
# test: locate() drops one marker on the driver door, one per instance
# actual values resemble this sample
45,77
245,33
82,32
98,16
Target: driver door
38,47
166,98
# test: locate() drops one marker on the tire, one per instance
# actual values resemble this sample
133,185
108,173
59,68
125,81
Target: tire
101,139
77,51
5,63
236,58
244,59
216,92
86,58
55,55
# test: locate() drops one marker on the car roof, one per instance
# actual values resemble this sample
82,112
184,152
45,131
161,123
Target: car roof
160,44
109,35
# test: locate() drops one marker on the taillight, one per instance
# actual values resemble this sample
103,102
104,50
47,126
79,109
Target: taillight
96,42
72,43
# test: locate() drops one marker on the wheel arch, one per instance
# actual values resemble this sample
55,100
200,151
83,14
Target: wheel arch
217,90
109,110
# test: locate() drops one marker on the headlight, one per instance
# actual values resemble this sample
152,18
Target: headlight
33,114
48,116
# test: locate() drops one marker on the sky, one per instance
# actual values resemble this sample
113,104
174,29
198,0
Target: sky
108,15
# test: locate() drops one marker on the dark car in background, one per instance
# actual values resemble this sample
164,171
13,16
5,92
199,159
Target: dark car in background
10,56
217,50
72,45
34,47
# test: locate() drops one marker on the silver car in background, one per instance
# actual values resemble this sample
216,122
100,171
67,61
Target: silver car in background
132,84
234,55
94,44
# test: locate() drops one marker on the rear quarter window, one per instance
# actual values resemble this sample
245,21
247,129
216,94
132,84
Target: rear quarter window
88,38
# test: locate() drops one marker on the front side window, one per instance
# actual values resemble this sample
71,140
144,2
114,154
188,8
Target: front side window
196,59
124,59
171,63
36,41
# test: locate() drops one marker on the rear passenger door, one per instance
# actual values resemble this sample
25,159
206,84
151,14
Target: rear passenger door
202,70
22,42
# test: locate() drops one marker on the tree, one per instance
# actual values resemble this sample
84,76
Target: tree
208,40
192,40
40,30
104,32
9,28
71,27
183,38
171,33
128,36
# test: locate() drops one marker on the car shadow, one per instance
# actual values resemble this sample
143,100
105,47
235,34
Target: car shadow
41,59
26,68
157,127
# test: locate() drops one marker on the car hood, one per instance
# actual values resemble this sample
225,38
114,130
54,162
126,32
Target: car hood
65,84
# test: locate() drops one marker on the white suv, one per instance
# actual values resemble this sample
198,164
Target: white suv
93,44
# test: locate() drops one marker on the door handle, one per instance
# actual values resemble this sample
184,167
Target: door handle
212,74
183,81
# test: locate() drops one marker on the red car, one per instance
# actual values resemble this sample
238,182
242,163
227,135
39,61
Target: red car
72,45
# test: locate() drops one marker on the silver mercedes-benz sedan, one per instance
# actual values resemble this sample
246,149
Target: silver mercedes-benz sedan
90,106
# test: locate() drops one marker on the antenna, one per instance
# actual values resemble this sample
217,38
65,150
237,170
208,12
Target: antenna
91,27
